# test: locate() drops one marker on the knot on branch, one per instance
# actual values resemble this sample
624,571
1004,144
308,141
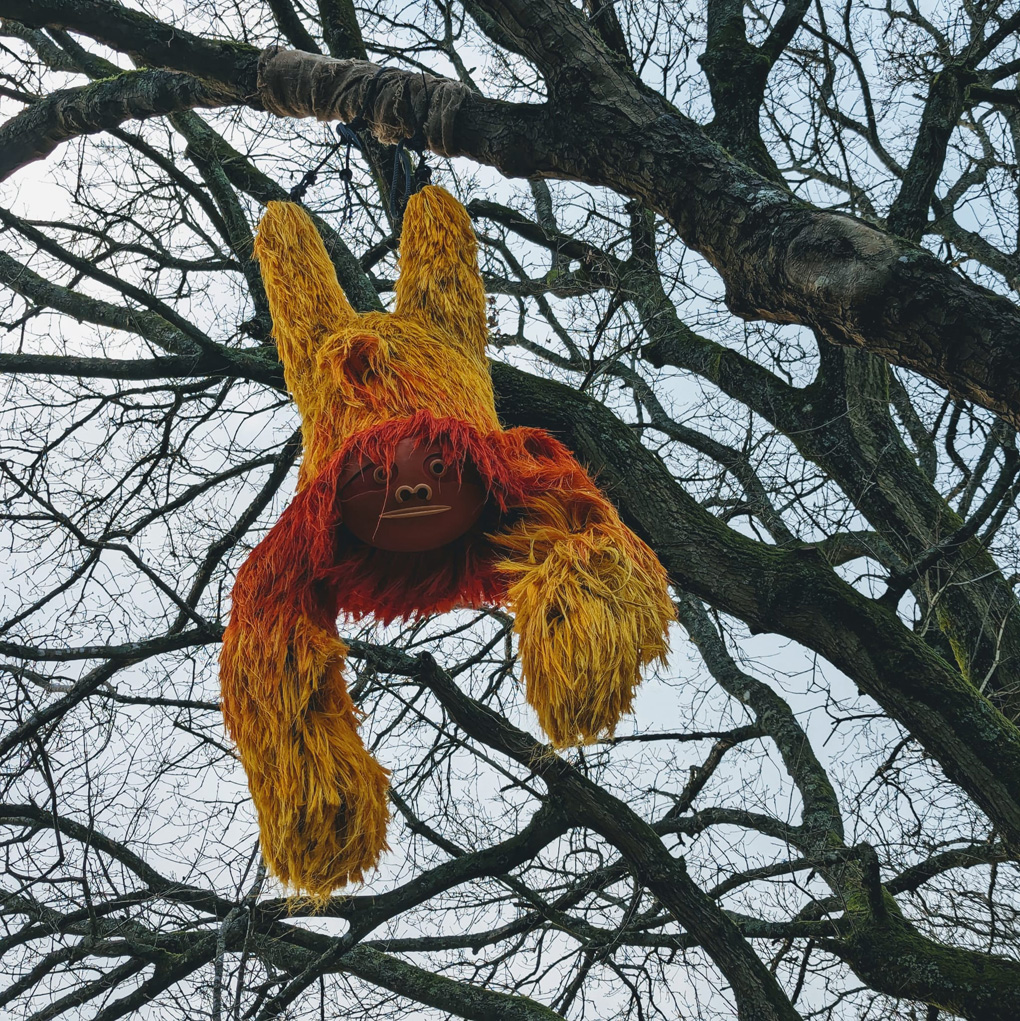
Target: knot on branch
842,262
396,104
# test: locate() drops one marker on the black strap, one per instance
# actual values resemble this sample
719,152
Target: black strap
348,139
405,181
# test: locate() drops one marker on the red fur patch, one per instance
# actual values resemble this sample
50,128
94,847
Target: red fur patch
310,551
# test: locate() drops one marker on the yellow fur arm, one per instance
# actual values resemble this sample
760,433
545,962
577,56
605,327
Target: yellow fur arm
320,796
305,299
439,281
592,608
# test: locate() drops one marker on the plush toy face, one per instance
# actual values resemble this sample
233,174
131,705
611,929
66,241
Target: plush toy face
419,503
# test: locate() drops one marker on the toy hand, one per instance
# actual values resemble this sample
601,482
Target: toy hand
320,796
591,609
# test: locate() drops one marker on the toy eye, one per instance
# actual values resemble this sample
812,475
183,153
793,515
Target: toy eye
437,468
380,475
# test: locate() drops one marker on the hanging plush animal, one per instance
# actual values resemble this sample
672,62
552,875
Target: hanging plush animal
412,499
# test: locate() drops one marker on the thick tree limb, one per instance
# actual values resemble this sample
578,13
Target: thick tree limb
341,30
894,958
554,34
396,106
290,24
737,73
145,39
781,259
859,449
789,592
909,212
124,368
446,994
134,95
131,651
85,308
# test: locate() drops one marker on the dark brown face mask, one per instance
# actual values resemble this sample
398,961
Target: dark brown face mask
422,503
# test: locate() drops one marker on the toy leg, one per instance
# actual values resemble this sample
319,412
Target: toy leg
306,302
439,283
592,608
320,796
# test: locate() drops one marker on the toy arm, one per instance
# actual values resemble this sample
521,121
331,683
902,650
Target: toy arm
591,605
305,298
439,281
320,796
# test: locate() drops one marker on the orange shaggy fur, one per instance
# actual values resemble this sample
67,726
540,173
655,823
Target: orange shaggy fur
590,599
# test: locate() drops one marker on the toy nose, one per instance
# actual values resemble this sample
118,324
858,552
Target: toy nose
405,493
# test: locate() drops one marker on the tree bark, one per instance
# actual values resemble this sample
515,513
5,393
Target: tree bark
781,260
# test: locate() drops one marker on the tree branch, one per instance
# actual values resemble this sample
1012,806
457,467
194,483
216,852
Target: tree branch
908,215
790,592
201,365
133,95
781,259
757,993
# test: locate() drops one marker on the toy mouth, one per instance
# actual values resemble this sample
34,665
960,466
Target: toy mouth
417,512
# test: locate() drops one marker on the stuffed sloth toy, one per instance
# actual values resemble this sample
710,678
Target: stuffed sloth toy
412,500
